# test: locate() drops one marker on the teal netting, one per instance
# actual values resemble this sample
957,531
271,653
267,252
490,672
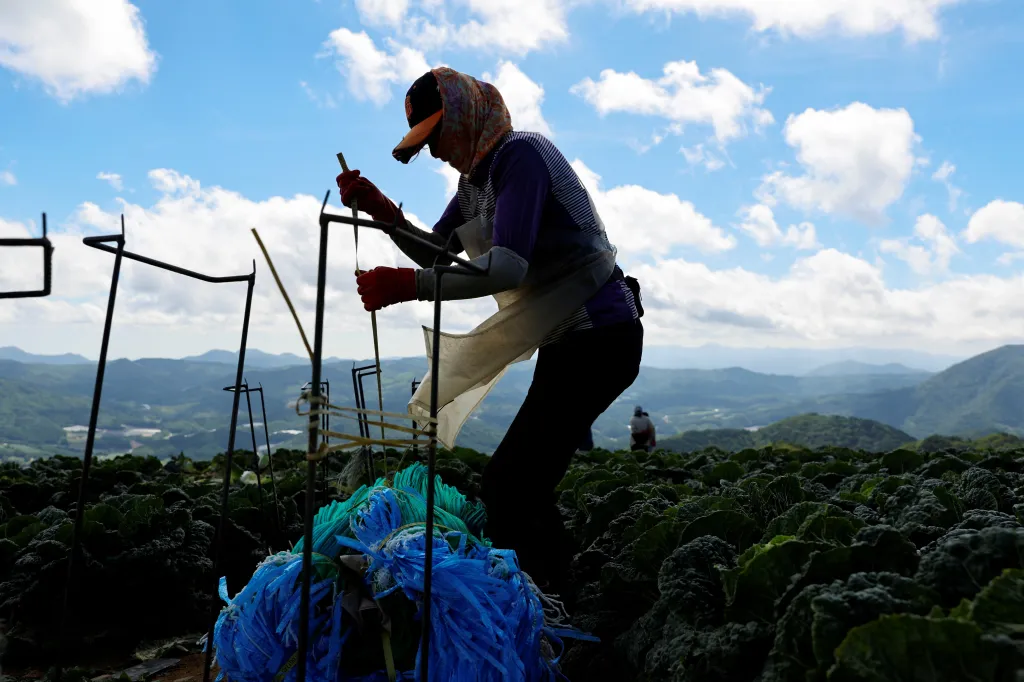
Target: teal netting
488,620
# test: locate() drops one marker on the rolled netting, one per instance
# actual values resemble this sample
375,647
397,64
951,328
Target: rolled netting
489,621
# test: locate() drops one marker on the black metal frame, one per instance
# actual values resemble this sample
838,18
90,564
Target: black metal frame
459,266
47,263
270,455
358,374
412,391
102,243
256,455
325,424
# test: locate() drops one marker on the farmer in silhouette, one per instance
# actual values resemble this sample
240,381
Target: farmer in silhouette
521,208
641,431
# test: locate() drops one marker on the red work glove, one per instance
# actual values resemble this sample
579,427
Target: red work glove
371,200
382,287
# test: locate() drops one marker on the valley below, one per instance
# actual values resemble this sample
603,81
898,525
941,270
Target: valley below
163,407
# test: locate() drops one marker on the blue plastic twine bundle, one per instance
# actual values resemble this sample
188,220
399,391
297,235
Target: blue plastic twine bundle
488,620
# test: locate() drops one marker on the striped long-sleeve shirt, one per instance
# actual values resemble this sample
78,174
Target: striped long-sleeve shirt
525,187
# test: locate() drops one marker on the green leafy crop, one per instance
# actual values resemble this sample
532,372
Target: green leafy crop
771,564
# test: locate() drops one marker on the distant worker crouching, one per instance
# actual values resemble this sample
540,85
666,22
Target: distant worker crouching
641,431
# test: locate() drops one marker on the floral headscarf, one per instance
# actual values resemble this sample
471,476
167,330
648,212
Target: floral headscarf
475,118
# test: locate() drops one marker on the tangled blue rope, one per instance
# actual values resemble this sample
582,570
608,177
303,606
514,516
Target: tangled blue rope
488,619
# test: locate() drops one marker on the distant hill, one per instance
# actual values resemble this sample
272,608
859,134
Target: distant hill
995,441
18,355
253,358
791,361
979,396
853,368
43,405
258,359
809,430
780,361
816,430
185,400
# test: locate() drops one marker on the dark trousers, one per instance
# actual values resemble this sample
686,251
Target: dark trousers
576,379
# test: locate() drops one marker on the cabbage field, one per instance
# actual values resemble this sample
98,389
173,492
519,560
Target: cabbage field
777,564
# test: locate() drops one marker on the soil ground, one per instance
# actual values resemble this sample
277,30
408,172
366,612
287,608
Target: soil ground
188,669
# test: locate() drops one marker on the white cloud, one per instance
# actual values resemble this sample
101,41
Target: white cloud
7,178
113,179
208,230
371,72
683,96
517,27
324,101
172,182
11,229
759,222
857,161
655,139
827,299
14,273
1010,258
1001,221
508,27
931,230
932,255
919,258
451,178
522,96
75,47
698,155
943,174
382,12
917,19
640,221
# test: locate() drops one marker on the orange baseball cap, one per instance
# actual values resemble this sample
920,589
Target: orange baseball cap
424,110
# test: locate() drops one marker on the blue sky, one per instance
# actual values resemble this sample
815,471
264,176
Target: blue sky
838,117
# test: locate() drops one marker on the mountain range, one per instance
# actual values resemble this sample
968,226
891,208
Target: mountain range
853,367
18,355
791,361
164,406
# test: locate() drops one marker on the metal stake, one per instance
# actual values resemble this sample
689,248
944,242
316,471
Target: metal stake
314,422
101,244
270,463
428,568
364,420
325,424
415,448
256,456
226,486
90,439
246,389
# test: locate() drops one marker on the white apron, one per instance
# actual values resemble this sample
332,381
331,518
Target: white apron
471,364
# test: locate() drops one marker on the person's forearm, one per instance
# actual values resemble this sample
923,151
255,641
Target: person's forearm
422,255
507,271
